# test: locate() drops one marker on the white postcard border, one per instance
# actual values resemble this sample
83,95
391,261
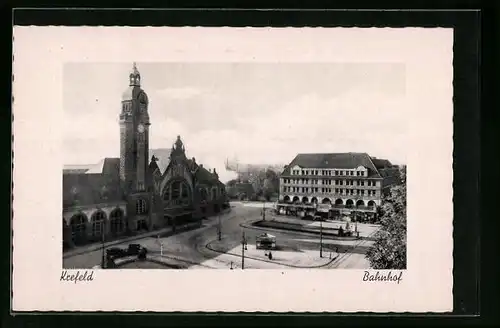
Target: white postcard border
39,55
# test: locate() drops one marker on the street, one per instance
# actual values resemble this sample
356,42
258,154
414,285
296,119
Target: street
201,249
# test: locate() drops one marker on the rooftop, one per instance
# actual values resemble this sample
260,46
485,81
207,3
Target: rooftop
338,161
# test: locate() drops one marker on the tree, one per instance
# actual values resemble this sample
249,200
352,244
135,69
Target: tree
389,250
271,184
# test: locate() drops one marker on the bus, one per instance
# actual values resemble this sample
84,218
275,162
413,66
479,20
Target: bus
266,241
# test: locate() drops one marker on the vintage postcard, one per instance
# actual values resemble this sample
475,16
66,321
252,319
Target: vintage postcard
256,167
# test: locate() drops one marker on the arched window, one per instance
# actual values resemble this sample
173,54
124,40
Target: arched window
78,228
140,207
203,194
326,200
166,194
184,191
98,223
177,193
116,220
176,189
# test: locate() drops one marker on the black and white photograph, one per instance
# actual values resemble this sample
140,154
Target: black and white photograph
212,166
256,167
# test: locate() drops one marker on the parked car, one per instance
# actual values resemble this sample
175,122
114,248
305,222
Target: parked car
116,252
133,249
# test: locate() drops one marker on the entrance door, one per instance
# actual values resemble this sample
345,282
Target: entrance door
141,225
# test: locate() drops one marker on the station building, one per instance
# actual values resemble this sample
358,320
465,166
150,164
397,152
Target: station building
335,184
135,193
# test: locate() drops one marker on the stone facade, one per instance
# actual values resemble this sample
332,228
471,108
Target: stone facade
132,194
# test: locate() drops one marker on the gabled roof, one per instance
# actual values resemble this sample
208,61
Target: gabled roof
334,160
204,176
163,157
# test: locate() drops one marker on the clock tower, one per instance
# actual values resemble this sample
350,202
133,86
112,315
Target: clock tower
134,135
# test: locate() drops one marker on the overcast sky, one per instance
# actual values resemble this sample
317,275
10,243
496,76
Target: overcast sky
257,113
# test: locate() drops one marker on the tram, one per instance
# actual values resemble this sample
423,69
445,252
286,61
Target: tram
266,241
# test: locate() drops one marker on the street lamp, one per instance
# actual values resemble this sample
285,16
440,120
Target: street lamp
320,231
243,248
103,260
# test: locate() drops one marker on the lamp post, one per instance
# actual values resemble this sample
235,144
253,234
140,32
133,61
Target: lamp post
243,248
103,260
356,216
320,231
321,238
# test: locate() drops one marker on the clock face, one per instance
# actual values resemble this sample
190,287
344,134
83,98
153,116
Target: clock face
140,128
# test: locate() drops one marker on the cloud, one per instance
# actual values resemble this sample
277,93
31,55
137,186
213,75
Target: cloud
179,93
369,123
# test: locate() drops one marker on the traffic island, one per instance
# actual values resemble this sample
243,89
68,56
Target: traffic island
281,257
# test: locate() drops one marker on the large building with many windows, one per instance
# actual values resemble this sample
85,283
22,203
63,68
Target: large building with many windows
335,184
130,194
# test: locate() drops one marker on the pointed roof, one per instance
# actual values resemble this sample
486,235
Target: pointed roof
162,157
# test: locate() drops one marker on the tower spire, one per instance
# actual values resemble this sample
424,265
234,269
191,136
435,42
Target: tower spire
135,76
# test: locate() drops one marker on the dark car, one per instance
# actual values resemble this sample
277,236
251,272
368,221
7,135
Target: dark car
116,252
134,249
